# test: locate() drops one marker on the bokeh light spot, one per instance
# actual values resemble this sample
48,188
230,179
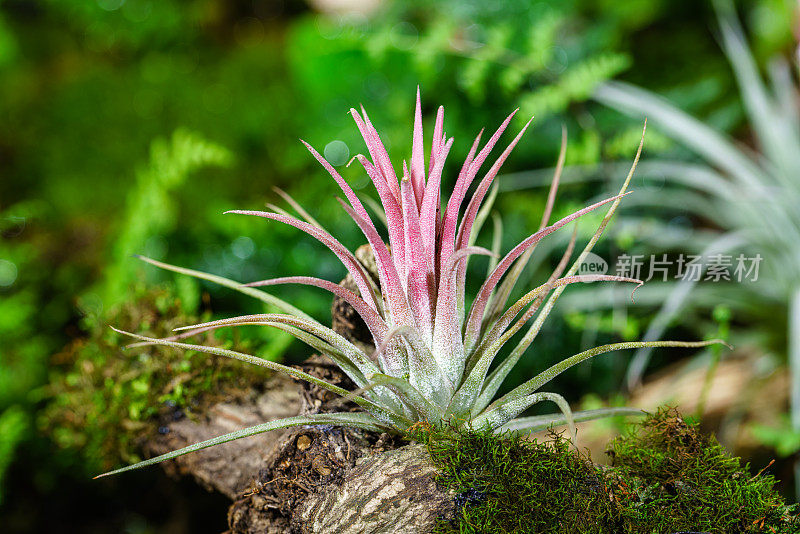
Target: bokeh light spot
137,10
557,60
337,153
8,273
404,35
243,247
110,5
329,27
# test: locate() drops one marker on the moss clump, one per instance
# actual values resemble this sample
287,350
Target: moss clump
513,485
104,401
666,478
668,473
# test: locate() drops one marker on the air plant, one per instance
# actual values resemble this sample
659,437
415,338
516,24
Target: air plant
433,354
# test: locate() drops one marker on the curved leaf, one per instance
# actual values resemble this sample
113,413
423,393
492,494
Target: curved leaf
226,282
358,420
541,422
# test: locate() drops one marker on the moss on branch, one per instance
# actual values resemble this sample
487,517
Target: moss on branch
665,477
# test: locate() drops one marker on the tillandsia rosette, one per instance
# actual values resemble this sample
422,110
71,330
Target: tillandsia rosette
433,355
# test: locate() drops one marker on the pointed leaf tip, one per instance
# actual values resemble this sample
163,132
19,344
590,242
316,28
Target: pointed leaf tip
722,342
639,284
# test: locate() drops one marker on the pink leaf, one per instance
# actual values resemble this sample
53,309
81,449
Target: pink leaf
418,154
344,255
477,199
463,182
431,203
447,338
394,216
343,185
479,305
540,291
391,286
436,144
390,280
374,321
420,271
376,149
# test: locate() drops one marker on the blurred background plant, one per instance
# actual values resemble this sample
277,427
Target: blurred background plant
129,126
749,198
715,195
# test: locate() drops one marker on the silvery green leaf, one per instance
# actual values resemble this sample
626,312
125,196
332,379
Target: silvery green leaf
359,420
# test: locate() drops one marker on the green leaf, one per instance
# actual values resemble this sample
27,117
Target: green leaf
226,282
291,371
546,376
499,375
358,420
536,423
502,412
410,394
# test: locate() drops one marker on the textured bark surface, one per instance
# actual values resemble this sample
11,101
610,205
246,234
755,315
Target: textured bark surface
229,468
307,461
394,491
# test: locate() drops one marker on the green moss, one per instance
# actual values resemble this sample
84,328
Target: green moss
668,473
512,485
666,477
103,400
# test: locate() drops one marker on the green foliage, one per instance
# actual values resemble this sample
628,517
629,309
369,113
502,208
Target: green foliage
619,146
590,324
665,477
782,438
27,306
8,45
13,427
523,56
747,198
576,84
131,24
102,400
149,211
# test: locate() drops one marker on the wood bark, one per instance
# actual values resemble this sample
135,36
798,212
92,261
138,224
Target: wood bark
394,491
229,468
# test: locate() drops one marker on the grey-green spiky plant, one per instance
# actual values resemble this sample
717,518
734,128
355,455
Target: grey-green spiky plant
751,198
433,354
